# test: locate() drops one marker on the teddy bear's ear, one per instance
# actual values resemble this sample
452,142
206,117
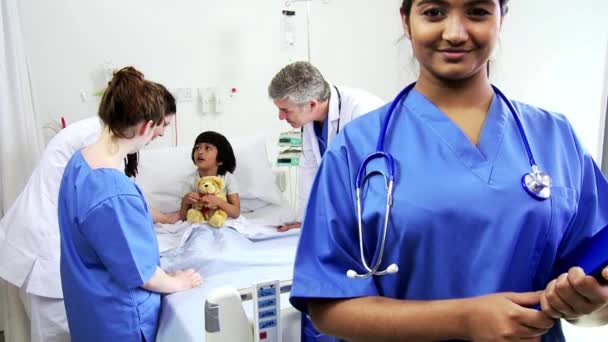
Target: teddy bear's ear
219,182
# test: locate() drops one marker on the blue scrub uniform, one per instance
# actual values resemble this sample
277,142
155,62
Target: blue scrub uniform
461,223
108,250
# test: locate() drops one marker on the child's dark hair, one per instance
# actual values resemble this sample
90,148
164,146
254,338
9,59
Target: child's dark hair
225,154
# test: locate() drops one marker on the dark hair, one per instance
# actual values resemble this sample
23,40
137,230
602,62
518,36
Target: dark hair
131,162
132,159
128,100
168,99
406,7
170,109
225,155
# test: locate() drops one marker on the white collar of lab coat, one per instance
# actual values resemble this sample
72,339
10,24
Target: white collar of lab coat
333,113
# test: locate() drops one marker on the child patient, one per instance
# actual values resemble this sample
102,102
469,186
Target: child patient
213,156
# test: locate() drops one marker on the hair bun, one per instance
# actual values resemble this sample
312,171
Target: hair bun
127,74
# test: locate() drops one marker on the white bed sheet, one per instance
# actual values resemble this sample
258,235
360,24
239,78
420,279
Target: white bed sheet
224,257
256,225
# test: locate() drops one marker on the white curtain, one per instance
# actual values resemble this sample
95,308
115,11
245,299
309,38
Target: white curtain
20,136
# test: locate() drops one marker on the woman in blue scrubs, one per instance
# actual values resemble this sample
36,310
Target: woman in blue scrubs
109,254
475,252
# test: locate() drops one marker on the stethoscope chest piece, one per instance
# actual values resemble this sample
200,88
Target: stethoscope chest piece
537,184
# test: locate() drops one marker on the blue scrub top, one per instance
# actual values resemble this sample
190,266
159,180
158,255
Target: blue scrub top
461,224
108,251
321,132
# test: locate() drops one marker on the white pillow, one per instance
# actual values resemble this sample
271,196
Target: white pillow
163,171
254,171
252,204
161,174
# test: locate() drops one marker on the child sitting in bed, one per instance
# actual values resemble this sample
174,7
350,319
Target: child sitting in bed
213,156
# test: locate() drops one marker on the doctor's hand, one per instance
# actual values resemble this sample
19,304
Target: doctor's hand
506,317
574,294
169,218
289,226
187,279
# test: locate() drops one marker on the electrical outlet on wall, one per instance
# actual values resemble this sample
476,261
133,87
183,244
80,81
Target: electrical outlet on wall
207,97
183,94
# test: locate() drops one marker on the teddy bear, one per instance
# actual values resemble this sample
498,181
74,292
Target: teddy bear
208,185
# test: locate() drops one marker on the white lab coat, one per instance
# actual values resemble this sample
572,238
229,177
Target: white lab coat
29,231
355,102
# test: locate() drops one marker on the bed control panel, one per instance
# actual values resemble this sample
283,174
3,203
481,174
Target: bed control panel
266,311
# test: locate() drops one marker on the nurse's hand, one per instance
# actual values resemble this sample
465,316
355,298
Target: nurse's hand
507,317
574,294
163,282
289,226
187,279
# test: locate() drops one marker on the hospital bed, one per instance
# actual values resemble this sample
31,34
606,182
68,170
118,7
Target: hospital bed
246,251
225,258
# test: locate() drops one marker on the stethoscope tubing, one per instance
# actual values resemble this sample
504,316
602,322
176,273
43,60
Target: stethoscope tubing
541,181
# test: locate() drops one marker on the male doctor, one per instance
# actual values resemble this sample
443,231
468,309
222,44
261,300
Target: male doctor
305,100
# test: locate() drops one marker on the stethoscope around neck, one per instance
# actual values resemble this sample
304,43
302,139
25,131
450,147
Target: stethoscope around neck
319,125
536,183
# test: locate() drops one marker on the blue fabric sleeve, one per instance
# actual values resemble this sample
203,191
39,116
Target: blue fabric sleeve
592,206
328,244
121,232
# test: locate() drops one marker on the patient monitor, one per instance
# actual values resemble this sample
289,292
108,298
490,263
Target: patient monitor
226,318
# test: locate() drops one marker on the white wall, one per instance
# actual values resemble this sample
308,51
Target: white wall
553,55
191,44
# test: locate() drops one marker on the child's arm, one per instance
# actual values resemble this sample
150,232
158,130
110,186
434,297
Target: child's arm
162,282
232,204
187,201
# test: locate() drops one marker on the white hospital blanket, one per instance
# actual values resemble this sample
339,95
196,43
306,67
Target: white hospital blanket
257,225
224,257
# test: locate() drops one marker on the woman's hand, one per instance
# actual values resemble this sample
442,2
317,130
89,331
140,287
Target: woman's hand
574,294
163,282
506,317
187,279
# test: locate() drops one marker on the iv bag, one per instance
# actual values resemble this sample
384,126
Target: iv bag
288,29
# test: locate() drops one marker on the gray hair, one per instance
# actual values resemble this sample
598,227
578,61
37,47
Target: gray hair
299,82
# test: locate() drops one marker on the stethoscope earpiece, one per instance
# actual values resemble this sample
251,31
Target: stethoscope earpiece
351,274
391,269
